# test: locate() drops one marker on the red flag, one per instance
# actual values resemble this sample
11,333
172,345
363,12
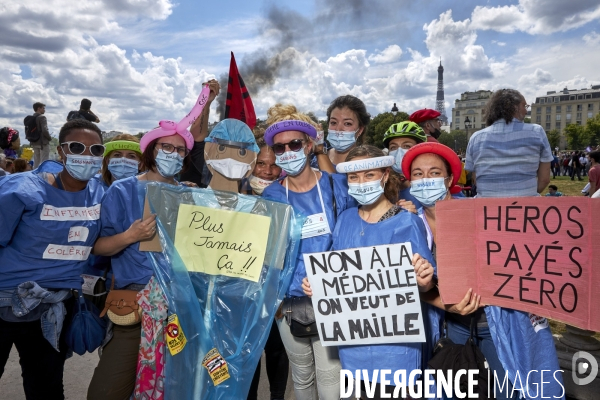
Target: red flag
239,104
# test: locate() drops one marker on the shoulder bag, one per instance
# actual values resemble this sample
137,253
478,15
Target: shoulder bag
121,306
298,311
86,329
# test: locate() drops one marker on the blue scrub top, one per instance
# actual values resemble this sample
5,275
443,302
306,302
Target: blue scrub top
47,233
404,194
403,227
120,209
308,203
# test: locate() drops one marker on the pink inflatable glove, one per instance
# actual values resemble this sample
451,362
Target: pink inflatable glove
168,128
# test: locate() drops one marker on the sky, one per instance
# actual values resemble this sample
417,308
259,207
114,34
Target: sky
141,61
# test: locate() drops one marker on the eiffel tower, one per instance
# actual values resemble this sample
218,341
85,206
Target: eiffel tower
439,100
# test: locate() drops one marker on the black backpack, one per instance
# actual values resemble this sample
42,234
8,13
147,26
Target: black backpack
448,355
32,133
74,115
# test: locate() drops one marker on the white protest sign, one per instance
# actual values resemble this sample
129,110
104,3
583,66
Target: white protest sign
367,295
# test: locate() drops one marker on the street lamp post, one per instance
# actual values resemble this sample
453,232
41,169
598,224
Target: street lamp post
395,111
467,127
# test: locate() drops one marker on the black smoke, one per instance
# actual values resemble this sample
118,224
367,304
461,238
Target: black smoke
289,28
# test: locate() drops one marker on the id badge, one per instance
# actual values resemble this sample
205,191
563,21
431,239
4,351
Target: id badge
315,225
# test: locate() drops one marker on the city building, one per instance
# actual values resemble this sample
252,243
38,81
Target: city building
556,110
469,109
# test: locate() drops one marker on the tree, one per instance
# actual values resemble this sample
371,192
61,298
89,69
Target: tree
380,124
553,138
592,128
577,136
456,140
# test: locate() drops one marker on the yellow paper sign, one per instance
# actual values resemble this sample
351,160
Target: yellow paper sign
222,242
175,338
216,366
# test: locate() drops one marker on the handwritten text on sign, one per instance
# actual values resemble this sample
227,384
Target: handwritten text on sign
539,255
367,295
221,242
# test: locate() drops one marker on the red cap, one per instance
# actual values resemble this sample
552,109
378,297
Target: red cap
423,115
441,150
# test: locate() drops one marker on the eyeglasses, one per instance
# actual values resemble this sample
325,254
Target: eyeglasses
293,145
97,150
169,148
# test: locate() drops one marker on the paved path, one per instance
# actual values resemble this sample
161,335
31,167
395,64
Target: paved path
78,373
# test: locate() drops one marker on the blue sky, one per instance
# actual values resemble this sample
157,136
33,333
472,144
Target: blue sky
141,61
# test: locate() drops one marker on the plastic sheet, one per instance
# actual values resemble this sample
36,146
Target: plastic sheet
232,315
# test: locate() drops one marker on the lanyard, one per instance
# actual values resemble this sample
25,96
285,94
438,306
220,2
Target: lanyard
320,198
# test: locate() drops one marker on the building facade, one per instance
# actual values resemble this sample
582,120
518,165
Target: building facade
469,108
556,110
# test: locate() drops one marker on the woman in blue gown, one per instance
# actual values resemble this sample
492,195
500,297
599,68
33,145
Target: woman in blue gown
378,221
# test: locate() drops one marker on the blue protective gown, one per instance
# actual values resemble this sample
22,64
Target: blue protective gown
47,233
404,194
120,208
403,227
308,203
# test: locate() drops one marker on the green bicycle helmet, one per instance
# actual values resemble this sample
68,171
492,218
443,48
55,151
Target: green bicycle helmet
404,129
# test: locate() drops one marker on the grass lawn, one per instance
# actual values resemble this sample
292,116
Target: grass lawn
568,188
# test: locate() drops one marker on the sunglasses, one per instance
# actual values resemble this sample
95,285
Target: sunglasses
97,150
169,148
293,145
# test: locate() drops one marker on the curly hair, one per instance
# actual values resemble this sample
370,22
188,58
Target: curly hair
284,112
77,124
392,186
503,104
355,105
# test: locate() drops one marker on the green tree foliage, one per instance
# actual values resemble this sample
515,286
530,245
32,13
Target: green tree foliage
380,124
577,136
553,138
592,128
456,140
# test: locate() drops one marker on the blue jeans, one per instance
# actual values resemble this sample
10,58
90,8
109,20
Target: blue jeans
459,334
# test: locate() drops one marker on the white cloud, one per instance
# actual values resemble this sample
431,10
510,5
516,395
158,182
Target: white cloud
592,38
502,44
390,54
538,77
536,16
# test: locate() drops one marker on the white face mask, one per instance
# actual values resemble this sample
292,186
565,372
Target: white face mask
258,184
230,168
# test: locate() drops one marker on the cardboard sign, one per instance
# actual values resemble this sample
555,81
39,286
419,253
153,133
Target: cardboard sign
222,242
535,254
367,295
152,244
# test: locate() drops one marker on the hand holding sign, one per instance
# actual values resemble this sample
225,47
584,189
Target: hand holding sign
538,255
141,230
367,295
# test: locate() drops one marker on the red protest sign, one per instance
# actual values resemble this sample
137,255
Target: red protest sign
535,254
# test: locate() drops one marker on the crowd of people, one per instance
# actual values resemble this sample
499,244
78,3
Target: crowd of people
86,216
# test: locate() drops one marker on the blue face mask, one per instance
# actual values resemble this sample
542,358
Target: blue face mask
121,168
168,165
292,162
398,155
83,168
341,140
428,190
366,193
